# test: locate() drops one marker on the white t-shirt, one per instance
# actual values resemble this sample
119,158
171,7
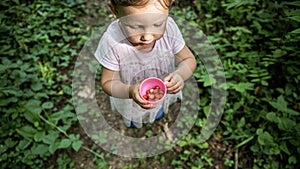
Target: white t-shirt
116,53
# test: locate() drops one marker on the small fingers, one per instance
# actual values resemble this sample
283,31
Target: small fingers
176,87
139,100
176,83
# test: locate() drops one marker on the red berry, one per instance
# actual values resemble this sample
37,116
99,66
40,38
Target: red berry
151,97
157,95
154,94
148,91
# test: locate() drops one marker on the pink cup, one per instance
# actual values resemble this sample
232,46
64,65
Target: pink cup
151,83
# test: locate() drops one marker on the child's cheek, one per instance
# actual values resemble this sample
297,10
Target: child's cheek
132,36
133,39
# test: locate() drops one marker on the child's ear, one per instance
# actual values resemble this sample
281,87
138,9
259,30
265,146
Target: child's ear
113,9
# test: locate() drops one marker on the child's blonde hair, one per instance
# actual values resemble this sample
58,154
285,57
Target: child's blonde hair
139,3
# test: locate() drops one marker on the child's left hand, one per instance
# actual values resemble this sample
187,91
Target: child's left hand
174,82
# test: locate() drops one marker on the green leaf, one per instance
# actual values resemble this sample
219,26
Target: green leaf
284,148
39,136
31,117
206,110
182,143
204,145
286,124
272,117
280,104
81,109
26,131
292,12
47,105
67,89
74,137
265,138
77,144
295,18
34,106
4,102
239,28
13,91
279,53
208,80
292,160
259,131
241,123
237,4
37,86
41,149
292,112
53,147
65,143
294,3
242,87
55,117
50,138
23,144
296,31
10,143
17,2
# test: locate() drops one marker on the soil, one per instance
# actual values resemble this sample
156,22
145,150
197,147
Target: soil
115,120
84,159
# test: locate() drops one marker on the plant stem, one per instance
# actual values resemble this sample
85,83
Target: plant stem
66,134
236,159
53,125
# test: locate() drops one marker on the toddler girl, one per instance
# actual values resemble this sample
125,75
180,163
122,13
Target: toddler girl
142,42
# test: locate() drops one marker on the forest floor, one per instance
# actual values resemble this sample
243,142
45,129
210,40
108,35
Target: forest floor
84,159
216,150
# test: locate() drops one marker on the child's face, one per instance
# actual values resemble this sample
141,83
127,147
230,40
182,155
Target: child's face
143,25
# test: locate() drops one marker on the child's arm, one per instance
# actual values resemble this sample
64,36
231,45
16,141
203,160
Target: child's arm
113,86
186,66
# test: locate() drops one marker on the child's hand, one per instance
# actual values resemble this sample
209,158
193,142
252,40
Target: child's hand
135,95
174,83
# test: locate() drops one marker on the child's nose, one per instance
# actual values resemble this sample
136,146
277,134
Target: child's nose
146,37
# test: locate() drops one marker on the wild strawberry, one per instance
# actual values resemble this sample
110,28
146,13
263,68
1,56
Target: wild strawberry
151,97
157,95
154,94
148,91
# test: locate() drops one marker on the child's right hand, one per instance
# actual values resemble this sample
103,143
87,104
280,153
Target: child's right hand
135,95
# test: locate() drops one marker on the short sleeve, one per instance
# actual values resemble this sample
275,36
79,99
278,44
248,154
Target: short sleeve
174,35
106,53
